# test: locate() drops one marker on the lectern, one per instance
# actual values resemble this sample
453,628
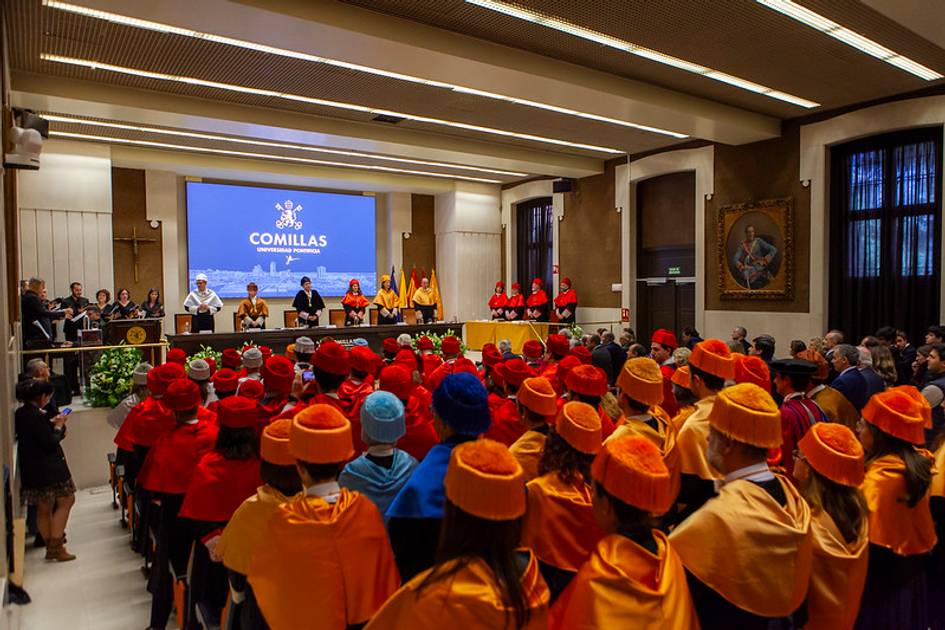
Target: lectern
134,332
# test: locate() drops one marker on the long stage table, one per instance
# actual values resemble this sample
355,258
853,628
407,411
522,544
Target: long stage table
279,338
479,333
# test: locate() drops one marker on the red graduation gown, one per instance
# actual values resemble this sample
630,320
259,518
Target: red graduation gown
351,394
170,463
506,427
420,436
146,422
219,486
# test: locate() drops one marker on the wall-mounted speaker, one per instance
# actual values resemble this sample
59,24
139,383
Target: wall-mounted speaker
562,185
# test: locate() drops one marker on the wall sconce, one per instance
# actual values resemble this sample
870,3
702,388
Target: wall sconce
503,226
619,209
406,235
708,196
805,183
155,224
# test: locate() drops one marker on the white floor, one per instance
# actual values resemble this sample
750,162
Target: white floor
103,589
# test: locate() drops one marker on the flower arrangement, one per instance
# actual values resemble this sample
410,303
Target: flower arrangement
206,352
438,339
111,376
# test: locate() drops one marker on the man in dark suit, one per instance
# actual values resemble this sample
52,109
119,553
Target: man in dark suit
37,319
77,303
874,382
850,381
617,355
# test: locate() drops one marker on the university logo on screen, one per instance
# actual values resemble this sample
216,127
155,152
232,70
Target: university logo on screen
288,242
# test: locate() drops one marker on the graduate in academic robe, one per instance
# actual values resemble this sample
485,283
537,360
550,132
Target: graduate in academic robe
382,471
506,424
198,370
515,307
901,530
386,302
355,304
225,381
482,578
420,435
498,301
224,478
165,475
566,302
588,384
253,310
461,414
662,345
308,303
428,357
360,384
798,413
685,399
278,374
202,304
324,560
634,577
245,530
837,406
829,472
537,406
556,348
424,300
747,551
537,305
452,352
559,524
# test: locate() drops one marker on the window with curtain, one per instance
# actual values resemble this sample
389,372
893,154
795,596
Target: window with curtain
533,239
885,233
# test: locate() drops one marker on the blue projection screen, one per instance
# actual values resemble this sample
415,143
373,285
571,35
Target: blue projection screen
273,237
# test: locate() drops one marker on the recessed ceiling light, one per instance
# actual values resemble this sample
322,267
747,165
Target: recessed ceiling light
265,156
270,143
850,38
95,65
293,54
640,51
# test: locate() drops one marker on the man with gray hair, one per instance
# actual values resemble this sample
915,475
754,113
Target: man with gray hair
139,391
850,382
832,339
740,336
38,320
505,347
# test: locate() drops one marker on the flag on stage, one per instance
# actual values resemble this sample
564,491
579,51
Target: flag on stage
402,298
393,285
414,285
436,296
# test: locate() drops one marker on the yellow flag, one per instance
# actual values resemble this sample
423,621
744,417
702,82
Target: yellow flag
436,296
402,298
411,289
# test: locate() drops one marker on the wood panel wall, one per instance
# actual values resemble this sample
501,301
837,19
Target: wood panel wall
420,249
129,211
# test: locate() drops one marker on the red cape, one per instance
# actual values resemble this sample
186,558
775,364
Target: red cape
505,426
146,422
203,413
352,394
219,486
516,301
271,409
568,297
498,300
669,404
430,363
420,436
537,299
171,461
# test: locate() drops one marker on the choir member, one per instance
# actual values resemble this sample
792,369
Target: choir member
354,304
152,306
537,305
424,300
202,304
747,551
537,404
324,560
461,414
559,524
829,471
634,577
386,302
566,302
253,310
515,307
103,299
308,303
482,578
124,307
662,345
498,301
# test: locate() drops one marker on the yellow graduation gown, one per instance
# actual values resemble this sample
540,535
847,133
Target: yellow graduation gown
386,298
245,529
424,297
893,524
559,524
693,442
665,439
837,576
527,450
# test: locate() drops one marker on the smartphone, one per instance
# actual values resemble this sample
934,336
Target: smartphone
65,411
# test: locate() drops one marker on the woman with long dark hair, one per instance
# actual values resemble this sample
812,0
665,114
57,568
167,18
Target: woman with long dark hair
482,579
901,531
124,308
152,306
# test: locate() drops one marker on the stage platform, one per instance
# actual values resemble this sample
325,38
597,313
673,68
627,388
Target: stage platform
479,333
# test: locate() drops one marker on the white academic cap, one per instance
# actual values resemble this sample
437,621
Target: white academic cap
201,276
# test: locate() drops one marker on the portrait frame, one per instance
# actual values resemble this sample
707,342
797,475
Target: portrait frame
769,263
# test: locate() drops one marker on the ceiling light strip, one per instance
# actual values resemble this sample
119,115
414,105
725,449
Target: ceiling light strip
265,156
640,51
269,143
850,38
95,65
293,54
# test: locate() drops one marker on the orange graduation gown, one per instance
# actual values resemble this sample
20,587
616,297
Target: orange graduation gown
937,488
623,585
323,566
664,439
747,548
243,533
468,600
527,450
559,523
693,442
837,576
893,524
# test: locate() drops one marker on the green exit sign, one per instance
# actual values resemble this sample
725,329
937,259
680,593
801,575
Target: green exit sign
673,271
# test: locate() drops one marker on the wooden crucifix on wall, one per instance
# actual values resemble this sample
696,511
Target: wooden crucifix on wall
135,241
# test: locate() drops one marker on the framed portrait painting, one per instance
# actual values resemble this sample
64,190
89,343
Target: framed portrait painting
755,245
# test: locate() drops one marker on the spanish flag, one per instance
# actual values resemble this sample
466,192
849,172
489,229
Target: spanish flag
436,295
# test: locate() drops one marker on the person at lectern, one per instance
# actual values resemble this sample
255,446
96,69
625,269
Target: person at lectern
308,304
566,302
202,304
424,300
537,303
498,301
386,303
355,304
253,310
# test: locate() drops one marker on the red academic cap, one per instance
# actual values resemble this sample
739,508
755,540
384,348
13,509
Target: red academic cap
181,395
424,343
500,285
238,412
450,345
363,359
398,381
582,353
391,346
532,349
176,355
231,359
665,338
225,380
331,357
558,345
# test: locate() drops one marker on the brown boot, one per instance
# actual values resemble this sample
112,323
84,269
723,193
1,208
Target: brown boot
55,550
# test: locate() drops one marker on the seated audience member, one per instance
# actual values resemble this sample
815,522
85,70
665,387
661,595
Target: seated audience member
253,310
331,365
198,371
588,384
829,471
251,388
382,471
681,356
176,355
798,413
884,364
537,405
556,349
566,302
559,524
533,352
537,305
797,346
420,433
850,381
244,532
428,358
498,301
690,337
515,307
326,551
278,373
684,397
637,350
139,391
505,347
304,349
506,425
740,336
634,577
832,402
230,358
386,302
225,381
252,360
934,389
748,551
662,345
482,579
360,383
460,414
874,381
935,334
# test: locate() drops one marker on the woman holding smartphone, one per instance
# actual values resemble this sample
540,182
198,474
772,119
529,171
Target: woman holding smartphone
46,480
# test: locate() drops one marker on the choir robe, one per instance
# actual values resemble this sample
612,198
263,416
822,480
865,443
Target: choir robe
835,405
506,425
146,422
378,483
566,301
838,574
421,435
527,450
468,599
624,585
498,302
353,392
322,566
559,527
664,437
748,550
515,308
171,462
218,486
245,529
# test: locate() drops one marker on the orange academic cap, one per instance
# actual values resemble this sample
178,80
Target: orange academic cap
579,425
320,435
641,380
747,413
631,469
485,480
833,451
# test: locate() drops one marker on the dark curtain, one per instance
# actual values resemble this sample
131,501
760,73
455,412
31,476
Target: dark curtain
885,231
534,241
